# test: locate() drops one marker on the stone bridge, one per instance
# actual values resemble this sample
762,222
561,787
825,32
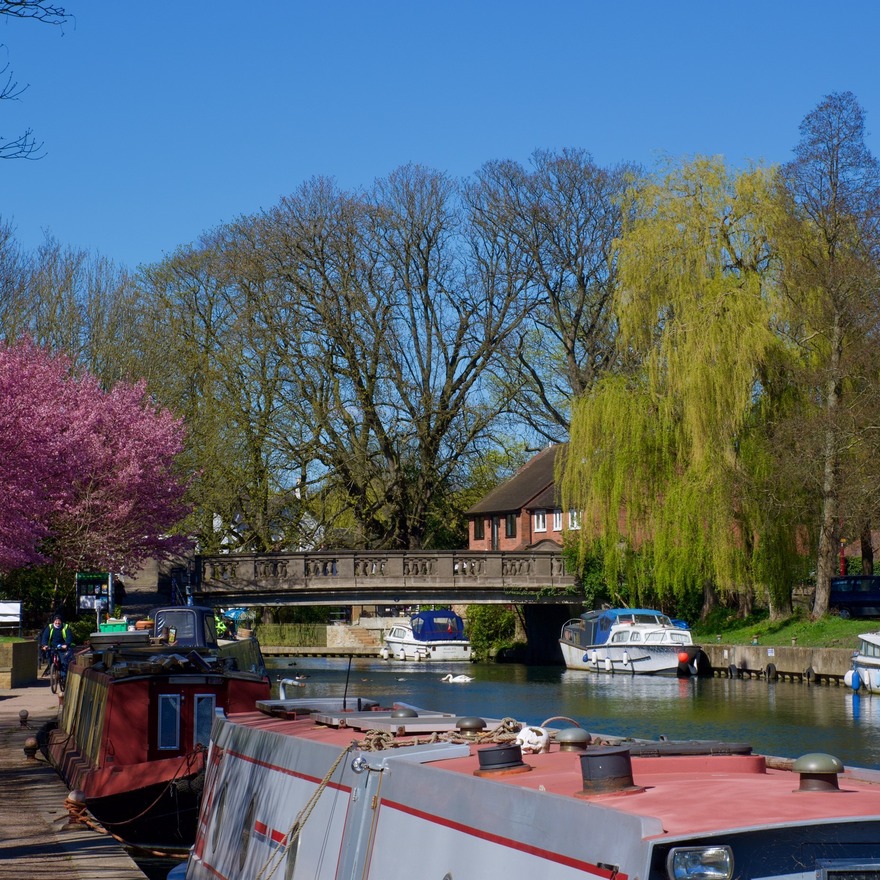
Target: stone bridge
383,578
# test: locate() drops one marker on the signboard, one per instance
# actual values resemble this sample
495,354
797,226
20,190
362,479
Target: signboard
94,590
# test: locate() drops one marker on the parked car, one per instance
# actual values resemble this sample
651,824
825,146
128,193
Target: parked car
855,596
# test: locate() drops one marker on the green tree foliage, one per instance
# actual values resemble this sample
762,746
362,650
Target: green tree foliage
667,456
828,237
490,627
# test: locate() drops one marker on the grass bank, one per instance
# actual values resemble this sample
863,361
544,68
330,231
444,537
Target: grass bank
829,632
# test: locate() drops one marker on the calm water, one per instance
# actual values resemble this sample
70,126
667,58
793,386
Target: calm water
781,718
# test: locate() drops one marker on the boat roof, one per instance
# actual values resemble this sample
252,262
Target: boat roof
615,613
677,791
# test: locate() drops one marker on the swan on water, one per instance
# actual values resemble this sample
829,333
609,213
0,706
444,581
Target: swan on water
456,679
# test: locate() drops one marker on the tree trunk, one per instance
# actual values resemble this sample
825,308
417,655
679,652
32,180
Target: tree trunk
867,549
828,535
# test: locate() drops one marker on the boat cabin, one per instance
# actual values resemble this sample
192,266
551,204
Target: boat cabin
437,626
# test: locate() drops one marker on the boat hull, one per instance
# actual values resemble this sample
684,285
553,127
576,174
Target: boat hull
446,652
675,660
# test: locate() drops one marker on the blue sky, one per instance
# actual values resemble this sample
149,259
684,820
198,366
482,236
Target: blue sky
162,120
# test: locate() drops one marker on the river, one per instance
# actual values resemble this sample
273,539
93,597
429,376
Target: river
778,718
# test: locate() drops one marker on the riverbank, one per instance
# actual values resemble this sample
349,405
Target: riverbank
38,842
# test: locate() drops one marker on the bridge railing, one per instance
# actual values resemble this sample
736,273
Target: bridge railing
375,573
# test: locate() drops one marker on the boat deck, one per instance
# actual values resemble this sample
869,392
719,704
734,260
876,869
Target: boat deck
683,793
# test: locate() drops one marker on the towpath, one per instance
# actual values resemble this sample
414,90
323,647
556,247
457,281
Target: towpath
36,842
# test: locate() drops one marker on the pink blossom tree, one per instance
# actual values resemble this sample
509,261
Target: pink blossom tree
89,474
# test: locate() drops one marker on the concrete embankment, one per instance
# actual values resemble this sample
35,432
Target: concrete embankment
37,842
816,665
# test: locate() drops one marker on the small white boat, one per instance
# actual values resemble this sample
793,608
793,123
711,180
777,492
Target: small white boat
428,635
633,641
865,674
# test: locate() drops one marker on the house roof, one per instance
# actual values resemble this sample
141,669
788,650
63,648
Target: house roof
531,487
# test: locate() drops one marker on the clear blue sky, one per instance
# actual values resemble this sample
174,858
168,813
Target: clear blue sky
164,119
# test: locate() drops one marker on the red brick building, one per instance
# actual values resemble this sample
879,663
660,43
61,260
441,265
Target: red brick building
522,512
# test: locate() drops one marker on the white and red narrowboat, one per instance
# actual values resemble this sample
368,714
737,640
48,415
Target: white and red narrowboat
305,790
136,721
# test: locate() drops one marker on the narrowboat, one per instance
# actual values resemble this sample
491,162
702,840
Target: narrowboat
365,790
428,635
136,720
632,641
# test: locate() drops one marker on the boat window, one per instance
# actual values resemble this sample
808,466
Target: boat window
291,852
169,721
654,637
679,638
218,817
204,718
398,632
247,832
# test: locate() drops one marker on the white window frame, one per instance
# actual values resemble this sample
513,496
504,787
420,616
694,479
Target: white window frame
574,519
540,520
198,699
557,520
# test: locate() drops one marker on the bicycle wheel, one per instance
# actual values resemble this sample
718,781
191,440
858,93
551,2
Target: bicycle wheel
55,679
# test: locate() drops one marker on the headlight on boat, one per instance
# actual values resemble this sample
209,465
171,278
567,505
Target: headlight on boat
700,863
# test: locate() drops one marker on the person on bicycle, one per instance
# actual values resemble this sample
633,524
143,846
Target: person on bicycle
57,636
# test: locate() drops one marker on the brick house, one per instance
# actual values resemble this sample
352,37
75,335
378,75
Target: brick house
522,512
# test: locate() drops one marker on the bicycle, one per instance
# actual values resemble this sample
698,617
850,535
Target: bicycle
55,669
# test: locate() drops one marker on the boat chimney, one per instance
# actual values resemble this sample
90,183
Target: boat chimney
606,769
818,772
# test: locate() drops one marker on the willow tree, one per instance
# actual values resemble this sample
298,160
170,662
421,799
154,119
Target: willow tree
668,457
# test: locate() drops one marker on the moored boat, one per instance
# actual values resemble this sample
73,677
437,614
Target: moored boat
427,635
321,789
634,641
865,673
136,721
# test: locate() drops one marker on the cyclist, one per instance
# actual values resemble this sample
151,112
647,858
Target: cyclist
57,636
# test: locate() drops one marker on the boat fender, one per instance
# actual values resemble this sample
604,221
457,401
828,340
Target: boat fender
625,659
732,671
595,657
772,674
608,664
856,681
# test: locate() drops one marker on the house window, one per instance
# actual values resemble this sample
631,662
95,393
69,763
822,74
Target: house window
557,520
574,519
540,520
510,525
479,529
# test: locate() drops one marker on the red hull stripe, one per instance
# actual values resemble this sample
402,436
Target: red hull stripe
548,855
287,772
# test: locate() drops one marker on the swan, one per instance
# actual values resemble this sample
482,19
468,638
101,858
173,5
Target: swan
456,679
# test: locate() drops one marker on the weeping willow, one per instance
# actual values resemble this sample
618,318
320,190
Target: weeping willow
669,457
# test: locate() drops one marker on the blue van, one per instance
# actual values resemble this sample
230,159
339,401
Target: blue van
855,596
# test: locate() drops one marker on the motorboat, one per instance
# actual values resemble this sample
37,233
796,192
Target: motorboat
427,635
337,789
136,721
633,641
865,673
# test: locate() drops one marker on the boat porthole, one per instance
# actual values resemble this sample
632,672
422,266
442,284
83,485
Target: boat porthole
247,832
291,854
218,824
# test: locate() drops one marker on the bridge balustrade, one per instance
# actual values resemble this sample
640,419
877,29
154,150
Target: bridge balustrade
371,577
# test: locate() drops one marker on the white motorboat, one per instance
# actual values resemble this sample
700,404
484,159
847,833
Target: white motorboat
633,641
865,674
427,635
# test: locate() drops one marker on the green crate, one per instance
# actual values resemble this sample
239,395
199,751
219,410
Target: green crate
111,627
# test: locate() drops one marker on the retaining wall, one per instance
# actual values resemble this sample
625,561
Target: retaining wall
811,664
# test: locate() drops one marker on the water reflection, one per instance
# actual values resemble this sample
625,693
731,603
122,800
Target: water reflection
780,718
